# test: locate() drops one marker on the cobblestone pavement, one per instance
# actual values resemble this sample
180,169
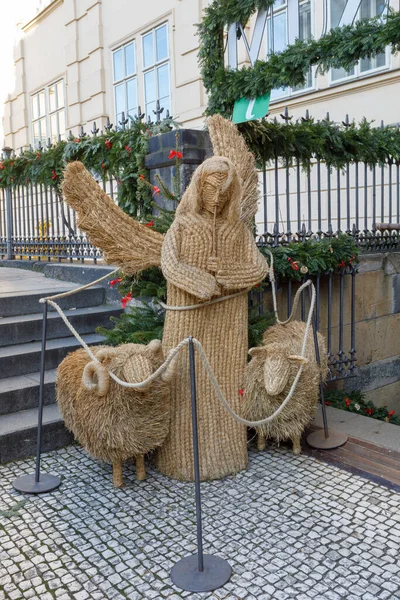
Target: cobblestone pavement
291,527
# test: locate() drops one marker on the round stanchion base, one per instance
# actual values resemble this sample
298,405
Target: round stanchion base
317,439
186,575
27,484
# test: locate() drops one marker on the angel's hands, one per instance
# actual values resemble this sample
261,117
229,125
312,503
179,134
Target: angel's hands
212,264
213,290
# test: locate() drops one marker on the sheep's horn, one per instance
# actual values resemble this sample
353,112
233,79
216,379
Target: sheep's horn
256,350
95,378
105,353
302,360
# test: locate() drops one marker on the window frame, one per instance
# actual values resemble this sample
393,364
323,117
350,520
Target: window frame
290,91
358,74
125,79
156,65
48,113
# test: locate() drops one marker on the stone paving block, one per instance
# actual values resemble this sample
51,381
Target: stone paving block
291,528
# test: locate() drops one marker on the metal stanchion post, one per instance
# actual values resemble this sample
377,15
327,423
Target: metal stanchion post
323,439
199,572
38,483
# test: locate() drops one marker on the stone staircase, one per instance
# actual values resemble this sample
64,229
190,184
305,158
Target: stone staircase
20,350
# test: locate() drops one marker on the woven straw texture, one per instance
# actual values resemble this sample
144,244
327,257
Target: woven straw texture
208,253
125,242
270,374
227,141
123,423
192,240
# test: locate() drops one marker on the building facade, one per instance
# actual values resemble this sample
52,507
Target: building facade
82,61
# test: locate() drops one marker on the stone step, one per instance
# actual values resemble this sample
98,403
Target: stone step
23,303
22,359
18,432
28,328
22,392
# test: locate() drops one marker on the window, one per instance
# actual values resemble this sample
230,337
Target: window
156,70
39,120
125,81
48,114
277,37
367,10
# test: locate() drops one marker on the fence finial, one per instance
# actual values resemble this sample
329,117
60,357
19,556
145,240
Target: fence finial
123,121
139,115
108,126
286,116
158,112
346,122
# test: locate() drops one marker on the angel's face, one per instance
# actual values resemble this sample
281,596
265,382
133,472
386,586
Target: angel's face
214,199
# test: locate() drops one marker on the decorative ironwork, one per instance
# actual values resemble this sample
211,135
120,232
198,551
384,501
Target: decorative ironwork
329,200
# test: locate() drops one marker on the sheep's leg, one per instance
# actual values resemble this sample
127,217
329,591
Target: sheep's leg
140,468
261,442
117,474
296,444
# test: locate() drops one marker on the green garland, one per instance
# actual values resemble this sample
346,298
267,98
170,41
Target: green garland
121,154
341,47
336,144
118,153
314,257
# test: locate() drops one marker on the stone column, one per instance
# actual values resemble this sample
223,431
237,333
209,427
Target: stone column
195,146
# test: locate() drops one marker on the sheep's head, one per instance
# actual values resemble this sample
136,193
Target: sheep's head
131,362
277,366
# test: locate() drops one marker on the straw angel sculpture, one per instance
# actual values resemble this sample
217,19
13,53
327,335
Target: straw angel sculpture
208,254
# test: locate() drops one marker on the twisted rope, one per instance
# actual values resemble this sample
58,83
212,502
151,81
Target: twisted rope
195,306
79,289
175,351
296,298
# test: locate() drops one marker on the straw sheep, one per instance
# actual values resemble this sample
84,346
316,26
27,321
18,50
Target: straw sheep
269,377
111,422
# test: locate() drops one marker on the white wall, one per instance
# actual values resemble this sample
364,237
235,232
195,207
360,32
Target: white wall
74,40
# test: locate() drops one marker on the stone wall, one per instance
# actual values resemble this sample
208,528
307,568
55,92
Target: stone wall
378,329
377,326
195,147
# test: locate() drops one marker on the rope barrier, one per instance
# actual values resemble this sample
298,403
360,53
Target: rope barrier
273,290
175,351
208,303
79,289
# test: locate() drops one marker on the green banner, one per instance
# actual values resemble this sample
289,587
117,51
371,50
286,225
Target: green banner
249,110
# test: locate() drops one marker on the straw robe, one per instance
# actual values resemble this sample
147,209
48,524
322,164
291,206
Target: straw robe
220,327
184,255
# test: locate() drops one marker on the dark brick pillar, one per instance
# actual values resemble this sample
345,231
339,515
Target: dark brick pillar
195,147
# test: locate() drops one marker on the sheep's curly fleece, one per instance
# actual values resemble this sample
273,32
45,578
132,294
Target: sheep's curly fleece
123,423
300,411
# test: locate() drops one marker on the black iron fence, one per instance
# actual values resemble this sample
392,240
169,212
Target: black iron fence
42,226
325,201
35,224
297,204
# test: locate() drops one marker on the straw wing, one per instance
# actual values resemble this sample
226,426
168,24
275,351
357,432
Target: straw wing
228,142
124,242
